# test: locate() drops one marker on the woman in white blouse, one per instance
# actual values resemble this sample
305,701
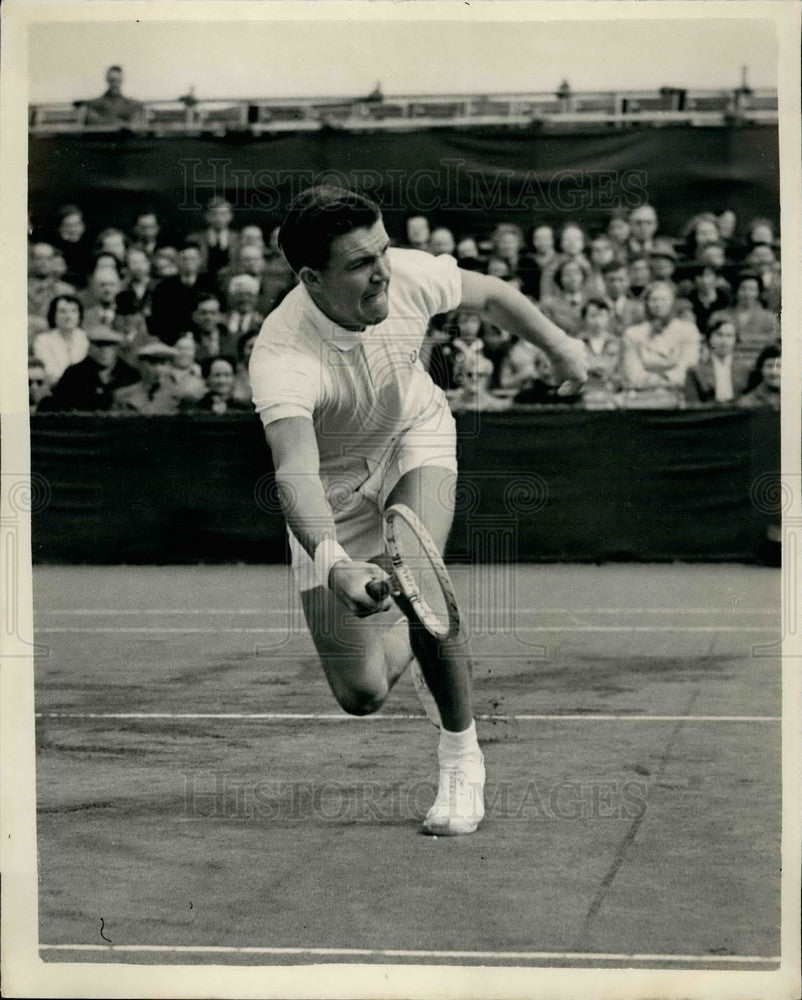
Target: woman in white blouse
65,343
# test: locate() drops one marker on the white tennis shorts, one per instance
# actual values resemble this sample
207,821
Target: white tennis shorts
358,509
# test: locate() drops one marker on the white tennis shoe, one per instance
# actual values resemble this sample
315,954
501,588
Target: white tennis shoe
460,804
425,695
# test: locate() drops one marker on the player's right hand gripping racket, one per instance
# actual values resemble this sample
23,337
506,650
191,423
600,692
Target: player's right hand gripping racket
418,572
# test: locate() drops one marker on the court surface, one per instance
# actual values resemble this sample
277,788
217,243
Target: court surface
202,798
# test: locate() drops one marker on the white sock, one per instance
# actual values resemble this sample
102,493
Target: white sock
454,745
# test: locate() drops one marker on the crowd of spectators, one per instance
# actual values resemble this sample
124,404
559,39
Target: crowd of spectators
141,321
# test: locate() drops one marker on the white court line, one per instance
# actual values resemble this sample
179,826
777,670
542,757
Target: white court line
514,629
473,611
399,953
388,717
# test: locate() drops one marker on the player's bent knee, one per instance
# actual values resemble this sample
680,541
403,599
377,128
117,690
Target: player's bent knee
362,701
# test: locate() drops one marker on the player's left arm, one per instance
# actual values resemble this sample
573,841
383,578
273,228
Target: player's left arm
504,306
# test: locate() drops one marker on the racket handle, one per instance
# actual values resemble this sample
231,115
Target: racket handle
379,589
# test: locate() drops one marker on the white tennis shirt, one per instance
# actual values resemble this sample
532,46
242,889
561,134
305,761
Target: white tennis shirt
362,390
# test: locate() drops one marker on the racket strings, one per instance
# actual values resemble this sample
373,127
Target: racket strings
420,568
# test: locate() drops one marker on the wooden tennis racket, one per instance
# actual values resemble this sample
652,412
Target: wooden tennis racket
418,572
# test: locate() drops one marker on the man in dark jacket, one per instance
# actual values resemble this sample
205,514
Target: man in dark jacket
90,385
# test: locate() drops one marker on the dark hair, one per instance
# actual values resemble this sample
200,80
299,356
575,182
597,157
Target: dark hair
189,245
316,217
51,309
599,303
558,274
613,265
747,276
206,364
716,322
118,68
768,352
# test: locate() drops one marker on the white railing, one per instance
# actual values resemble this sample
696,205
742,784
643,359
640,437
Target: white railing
263,115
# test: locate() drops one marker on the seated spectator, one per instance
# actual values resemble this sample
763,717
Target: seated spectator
767,374
756,326
112,108
760,232
683,309
416,229
38,384
564,306
468,256
136,295
185,371
718,378
252,236
618,231
640,276
658,352
518,367
242,316
624,309
436,355
643,226
155,392
473,395
707,297
543,390
58,266
165,262
467,341
106,288
218,242
114,242
210,331
663,261
176,298
572,248
65,342
700,232
242,384
496,345
602,253
101,262
540,259
603,347
75,244
43,286
251,261
544,252
146,233
762,261
219,398
441,241
90,385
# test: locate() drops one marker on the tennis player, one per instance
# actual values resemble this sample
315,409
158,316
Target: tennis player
354,424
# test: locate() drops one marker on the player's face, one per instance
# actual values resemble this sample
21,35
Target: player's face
352,288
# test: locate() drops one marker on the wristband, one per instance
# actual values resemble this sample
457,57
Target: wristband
327,553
